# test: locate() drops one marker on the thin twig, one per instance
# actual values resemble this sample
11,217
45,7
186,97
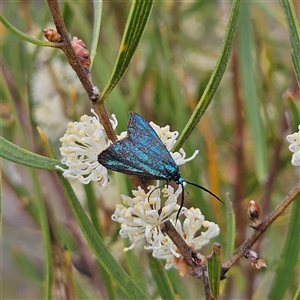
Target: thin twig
184,249
84,76
247,244
66,46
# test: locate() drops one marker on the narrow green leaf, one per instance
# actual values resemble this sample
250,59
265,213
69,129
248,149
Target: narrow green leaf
96,29
103,254
27,266
215,78
230,228
178,284
296,64
247,47
135,26
297,294
285,276
214,268
161,278
24,36
9,151
93,210
24,157
294,31
230,234
294,112
134,267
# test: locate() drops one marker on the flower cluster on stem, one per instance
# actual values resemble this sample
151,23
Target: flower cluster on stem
142,215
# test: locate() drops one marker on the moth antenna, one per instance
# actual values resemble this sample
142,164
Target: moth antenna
204,189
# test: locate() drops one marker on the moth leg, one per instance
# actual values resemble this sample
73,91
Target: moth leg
182,201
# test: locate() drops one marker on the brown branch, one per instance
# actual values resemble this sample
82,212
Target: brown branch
82,73
192,258
247,244
185,250
66,46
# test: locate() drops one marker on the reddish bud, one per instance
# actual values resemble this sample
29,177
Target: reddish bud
52,35
254,214
82,52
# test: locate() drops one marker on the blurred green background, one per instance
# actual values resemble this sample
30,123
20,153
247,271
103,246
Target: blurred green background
241,137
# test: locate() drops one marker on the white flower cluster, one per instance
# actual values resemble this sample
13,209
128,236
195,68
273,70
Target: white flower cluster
294,147
84,140
141,218
81,146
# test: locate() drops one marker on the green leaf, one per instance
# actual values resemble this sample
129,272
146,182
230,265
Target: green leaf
285,275
230,228
294,113
24,36
297,294
14,153
135,26
247,47
214,268
27,267
134,267
294,31
93,210
96,28
24,157
161,278
230,234
215,78
103,254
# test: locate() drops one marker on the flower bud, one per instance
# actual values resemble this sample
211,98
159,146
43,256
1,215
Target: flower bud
82,52
254,214
52,35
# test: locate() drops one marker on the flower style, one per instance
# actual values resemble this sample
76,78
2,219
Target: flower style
294,147
84,140
81,145
142,216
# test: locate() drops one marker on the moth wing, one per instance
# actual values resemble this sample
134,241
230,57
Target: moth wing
140,153
124,157
146,140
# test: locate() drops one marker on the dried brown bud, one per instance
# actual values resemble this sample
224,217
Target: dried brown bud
257,262
52,35
254,214
182,266
260,263
82,52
